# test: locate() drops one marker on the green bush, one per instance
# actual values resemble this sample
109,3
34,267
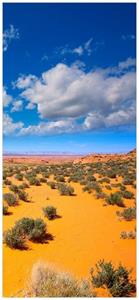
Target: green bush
43,180
127,194
122,187
24,226
128,181
60,178
90,186
23,186
128,214
33,181
38,233
19,177
23,196
10,199
7,182
52,184
13,188
65,189
115,199
111,174
46,282
13,239
117,281
49,212
5,210
105,180
108,187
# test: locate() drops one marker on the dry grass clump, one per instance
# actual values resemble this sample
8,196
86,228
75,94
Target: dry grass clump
45,281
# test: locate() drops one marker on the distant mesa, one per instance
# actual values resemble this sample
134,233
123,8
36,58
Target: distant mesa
99,157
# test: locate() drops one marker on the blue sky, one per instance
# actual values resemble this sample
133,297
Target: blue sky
69,77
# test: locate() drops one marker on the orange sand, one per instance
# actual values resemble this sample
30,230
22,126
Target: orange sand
86,232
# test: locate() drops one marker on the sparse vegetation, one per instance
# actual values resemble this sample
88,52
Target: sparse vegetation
25,228
5,210
49,212
10,198
127,194
112,182
128,214
13,239
65,189
115,199
116,280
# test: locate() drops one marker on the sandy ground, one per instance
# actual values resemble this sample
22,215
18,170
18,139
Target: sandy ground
86,232
40,159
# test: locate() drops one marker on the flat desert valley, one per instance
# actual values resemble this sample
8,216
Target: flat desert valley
90,223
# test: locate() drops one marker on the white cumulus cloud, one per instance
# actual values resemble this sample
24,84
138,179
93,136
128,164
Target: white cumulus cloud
17,106
9,126
7,99
65,91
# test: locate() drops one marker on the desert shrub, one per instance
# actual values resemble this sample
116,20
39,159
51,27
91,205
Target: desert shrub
43,180
111,174
83,182
122,187
19,176
128,213
101,195
23,186
13,239
92,186
34,230
49,212
33,180
7,182
90,178
5,210
115,199
75,178
116,280
23,196
45,281
10,199
65,189
105,180
127,194
60,178
38,232
13,188
108,187
128,181
52,184
24,226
